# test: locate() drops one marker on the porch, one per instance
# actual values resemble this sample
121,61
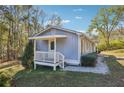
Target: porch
51,57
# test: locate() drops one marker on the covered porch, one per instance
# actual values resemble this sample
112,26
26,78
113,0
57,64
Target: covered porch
51,57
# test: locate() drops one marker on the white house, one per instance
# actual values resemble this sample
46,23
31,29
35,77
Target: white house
56,46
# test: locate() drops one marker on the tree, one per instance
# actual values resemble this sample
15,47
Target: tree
37,26
54,20
27,60
106,21
17,23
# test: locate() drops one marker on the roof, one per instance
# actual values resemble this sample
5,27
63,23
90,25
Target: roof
64,29
59,28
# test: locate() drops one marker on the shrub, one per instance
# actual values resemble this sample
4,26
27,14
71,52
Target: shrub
114,44
89,60
5,79
101,47
27,58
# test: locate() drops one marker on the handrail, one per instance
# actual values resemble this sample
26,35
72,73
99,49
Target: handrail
60,54
63,58
49,52
49,58
57,54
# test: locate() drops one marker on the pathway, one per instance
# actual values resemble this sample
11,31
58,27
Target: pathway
101,67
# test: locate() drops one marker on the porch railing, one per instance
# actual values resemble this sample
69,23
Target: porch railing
50,58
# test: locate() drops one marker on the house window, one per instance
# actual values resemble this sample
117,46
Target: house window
52,45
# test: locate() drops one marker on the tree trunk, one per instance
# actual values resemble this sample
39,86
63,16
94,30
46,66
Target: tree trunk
8,46
107,42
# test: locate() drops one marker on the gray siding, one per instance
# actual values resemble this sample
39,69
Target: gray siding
49,32
42,45
67,46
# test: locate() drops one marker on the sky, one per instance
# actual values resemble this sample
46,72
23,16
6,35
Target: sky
74,17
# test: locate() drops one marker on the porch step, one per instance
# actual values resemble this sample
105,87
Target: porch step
46,63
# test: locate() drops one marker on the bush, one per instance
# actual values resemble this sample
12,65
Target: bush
5,79
102,47
89,60
27,58
114,44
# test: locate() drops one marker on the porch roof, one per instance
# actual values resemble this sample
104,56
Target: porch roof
48,37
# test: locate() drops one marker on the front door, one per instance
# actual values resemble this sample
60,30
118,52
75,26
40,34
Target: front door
51,49
51,46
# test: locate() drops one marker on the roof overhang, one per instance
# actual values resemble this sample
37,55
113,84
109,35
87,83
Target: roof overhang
59,28
47,37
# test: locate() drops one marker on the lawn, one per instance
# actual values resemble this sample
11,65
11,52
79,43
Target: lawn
12,70
45,77
119,54
116,53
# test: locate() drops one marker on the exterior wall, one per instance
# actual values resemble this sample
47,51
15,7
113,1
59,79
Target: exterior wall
41,45
86,46
49,32
67,46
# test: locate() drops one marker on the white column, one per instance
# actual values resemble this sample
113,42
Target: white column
54,68
94,48
79,47
34,53
87,46
84,45
90,47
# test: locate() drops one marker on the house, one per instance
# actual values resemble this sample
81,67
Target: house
56,46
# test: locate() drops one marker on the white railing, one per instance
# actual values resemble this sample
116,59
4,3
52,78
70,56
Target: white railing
56,58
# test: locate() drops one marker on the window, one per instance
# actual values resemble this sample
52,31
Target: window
52,45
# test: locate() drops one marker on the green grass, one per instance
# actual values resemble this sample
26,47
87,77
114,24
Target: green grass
116,53
46,77
7,73
12,69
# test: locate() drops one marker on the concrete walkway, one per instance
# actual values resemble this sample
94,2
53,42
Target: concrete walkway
101,67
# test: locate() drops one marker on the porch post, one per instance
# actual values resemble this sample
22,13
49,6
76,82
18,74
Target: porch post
94,47
34,53
54,53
